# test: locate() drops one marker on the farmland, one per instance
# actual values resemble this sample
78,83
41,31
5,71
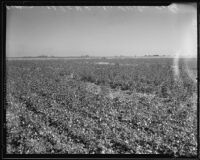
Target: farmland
95,106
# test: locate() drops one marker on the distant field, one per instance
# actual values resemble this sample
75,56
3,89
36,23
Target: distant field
102,106
67,58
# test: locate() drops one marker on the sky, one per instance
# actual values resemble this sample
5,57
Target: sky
101,30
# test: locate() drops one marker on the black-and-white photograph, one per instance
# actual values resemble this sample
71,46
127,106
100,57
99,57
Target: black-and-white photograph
101,80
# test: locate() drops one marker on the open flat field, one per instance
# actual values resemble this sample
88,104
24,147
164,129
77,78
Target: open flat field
106,106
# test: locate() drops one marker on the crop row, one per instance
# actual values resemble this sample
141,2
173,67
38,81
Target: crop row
54,113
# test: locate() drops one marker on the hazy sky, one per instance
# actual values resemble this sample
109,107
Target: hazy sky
101,31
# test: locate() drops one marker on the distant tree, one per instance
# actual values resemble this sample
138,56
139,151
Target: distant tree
43,56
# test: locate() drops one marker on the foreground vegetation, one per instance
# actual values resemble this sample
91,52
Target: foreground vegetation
134,106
